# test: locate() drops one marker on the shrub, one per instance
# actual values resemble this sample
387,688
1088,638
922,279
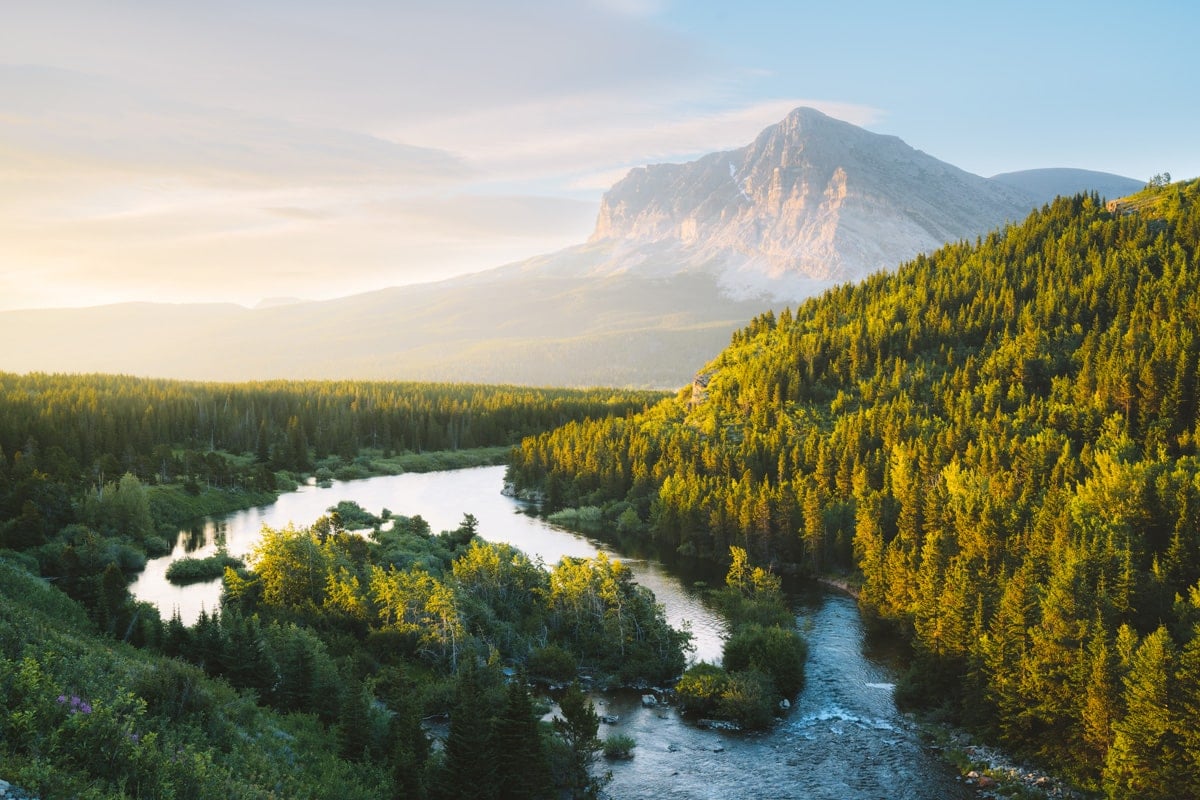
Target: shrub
552,663
776,652
700,689
156,546
585,518
193,570
749,699
619,746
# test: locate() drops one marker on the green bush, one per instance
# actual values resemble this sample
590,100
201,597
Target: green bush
354,517
156,546
25,561
552,663
194,570
585,518
776,652
749,699
351,472
700,689
619,746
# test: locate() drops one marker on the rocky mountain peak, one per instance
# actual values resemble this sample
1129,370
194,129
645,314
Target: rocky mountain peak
811,198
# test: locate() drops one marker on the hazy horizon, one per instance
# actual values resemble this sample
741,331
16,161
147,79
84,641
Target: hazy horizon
239,152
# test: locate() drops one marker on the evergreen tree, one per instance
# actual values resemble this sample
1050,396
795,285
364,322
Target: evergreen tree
1144,760
577,728
523,771
1186,712
471,758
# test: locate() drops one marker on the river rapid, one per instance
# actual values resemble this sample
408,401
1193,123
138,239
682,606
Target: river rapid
843,738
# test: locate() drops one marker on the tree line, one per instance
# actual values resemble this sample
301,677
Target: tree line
99,470
101,426
1000,440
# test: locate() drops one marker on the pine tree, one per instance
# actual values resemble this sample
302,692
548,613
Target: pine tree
523,772
1144,760
1100,697
1186,714
469,769
577,728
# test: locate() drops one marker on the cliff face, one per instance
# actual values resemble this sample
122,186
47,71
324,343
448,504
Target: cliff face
811,198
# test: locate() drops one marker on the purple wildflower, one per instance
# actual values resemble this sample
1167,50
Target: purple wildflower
78,704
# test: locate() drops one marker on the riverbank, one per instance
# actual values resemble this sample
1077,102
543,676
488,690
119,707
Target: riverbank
174,506
992,772
841,584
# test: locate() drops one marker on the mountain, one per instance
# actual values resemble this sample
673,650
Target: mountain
681,256
812,198
1043,185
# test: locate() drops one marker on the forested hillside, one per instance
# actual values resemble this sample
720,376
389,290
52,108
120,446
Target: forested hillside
1001,440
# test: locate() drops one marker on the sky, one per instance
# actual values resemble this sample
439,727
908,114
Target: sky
245,150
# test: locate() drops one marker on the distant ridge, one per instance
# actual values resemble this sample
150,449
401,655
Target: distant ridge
1043,185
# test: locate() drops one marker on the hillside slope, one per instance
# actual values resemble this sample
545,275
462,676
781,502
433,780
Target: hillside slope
533,330
1043,185
85,716
1001,441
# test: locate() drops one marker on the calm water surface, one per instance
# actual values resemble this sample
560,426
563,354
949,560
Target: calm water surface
441,498
843,740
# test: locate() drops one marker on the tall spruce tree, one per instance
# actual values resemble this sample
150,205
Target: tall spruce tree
1144,760
523,771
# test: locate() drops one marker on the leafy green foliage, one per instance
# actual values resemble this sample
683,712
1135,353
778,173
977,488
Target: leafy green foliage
763,658
577,726
701,688
776,652
749,699
619,746
82,716
191,570
354,639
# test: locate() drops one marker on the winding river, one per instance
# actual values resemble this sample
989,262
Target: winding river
842,740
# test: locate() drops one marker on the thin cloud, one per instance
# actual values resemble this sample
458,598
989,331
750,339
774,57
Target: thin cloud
592,136
79,125
360,62
240,150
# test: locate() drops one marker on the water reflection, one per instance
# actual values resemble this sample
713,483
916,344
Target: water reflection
441,498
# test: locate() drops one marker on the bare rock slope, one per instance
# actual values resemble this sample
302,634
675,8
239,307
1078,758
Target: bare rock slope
811,199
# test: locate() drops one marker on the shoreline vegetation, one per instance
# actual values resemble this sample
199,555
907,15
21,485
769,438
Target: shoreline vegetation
183,571
360,637
762,663
174,506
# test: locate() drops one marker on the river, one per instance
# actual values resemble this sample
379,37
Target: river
842,740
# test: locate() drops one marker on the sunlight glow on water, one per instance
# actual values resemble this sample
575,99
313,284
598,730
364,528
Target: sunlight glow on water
441,498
